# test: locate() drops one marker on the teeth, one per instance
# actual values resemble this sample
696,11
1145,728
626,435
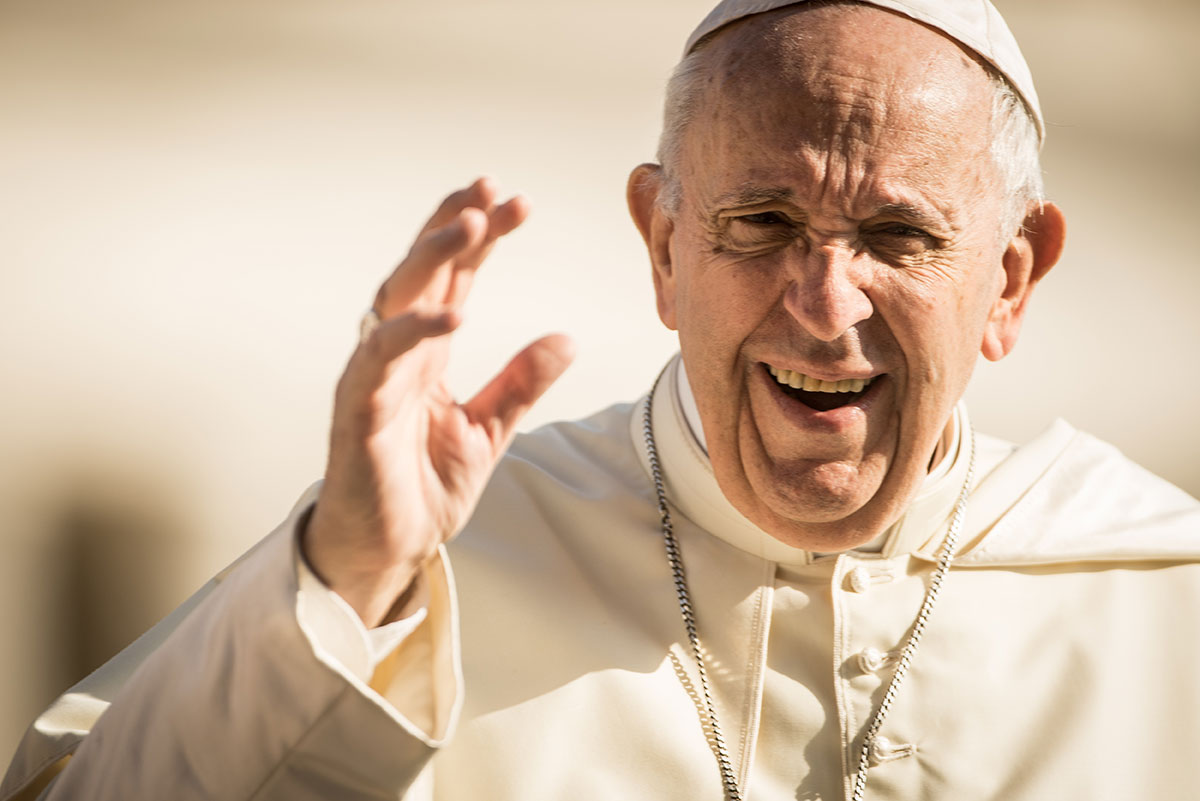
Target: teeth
796,380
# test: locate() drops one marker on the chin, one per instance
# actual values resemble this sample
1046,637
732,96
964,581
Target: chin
812,510
828,537
814,518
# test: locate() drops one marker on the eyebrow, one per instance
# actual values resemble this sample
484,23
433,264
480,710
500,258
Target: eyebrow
911,212
749,195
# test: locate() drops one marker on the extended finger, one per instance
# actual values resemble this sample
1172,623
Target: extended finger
480,195
502,220
440,232
417,275
510,394
507,216
372,362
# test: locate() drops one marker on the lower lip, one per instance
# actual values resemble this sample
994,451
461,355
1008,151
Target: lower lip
839,419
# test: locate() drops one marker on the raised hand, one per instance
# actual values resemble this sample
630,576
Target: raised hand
407,463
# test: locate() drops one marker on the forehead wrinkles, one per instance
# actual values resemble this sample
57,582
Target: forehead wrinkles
804,46
841,89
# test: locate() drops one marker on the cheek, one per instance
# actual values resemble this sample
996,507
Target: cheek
721,309
939,331
722,300
975,306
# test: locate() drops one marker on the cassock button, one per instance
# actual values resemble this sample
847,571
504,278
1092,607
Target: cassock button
859,579
871,659
884,750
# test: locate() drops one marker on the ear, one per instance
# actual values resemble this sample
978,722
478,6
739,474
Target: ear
1029,256
646,182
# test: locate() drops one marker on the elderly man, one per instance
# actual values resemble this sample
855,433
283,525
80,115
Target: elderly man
793,571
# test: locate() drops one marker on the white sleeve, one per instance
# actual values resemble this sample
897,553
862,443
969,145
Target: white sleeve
336,627
265,690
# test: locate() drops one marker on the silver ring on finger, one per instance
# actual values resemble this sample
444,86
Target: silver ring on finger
370,321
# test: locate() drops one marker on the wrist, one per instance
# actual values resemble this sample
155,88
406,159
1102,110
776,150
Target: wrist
378,591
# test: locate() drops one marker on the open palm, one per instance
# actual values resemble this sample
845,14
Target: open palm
407,463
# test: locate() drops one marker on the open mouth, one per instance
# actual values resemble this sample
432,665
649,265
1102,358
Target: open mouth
817,394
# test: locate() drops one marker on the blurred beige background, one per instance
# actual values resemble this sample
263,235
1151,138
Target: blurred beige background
199,197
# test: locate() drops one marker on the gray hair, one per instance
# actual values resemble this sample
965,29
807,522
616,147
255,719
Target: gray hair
1015,142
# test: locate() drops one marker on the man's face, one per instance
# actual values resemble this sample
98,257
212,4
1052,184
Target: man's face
839,221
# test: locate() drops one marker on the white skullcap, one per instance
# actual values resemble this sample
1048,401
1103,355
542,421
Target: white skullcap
975,24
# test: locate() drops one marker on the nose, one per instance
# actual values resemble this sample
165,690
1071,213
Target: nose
827,294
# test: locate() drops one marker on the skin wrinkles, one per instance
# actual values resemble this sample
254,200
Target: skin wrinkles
897,232
838,217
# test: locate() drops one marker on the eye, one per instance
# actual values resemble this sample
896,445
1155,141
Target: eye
759,232
764,218
902,239
903,230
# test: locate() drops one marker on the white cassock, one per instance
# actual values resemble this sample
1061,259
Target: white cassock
1061,661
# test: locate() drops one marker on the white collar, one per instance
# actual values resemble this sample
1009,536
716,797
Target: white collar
692,487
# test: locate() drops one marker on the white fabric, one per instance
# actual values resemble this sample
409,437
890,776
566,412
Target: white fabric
1058,664
372,645
259,688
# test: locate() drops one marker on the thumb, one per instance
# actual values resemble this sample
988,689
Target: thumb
510,394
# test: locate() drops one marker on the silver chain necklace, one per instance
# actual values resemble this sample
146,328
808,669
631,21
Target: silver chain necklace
733,791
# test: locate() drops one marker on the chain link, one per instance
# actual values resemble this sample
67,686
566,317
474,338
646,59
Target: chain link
716,739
